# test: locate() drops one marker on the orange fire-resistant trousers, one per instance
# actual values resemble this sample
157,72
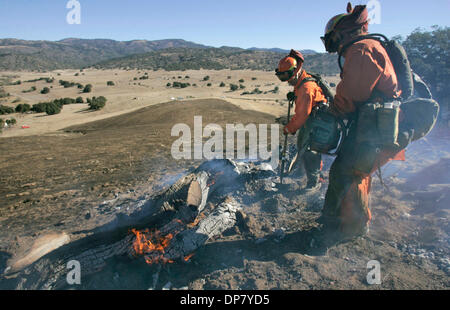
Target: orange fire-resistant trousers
347,197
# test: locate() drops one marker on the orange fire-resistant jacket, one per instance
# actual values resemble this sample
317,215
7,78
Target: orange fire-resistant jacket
367,68
308,95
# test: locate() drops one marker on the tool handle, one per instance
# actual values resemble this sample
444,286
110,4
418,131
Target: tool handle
283,155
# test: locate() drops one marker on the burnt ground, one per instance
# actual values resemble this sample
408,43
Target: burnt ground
80,179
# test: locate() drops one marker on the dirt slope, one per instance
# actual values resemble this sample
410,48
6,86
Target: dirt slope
74,181
58,180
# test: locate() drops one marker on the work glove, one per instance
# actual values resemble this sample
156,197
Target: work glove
291,96
286,131
282,120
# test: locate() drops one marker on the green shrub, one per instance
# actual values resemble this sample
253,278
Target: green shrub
254,79
241,86
168,85
64,101
206,78
66,84
233,87
241,81
32,89
180,85
39,107
11,121
6,110
97,103
87,88
52,108
222,84
79,100
23,108
110,83
209,84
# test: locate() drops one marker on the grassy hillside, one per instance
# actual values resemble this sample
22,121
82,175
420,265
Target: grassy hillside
74,53
216,59
170,55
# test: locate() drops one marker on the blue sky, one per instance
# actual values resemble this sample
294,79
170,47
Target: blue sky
244,23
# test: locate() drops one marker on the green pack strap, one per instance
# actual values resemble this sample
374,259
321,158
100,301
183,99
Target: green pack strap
306,80
373,36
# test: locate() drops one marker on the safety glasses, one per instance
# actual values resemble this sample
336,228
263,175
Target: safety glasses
329,40
284,76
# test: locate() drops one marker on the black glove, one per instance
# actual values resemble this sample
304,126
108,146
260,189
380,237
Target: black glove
282,120
291,96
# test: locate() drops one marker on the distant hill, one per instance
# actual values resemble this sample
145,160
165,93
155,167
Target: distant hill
75,53
170,54
279,50
217,59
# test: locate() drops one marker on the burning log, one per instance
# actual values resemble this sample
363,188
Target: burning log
180,244
187,229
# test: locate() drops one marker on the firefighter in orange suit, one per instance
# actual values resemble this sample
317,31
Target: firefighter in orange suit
368,76
307,95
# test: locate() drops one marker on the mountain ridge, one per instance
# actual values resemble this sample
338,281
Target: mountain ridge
78,53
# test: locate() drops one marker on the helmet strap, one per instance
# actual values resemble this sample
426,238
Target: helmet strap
295,77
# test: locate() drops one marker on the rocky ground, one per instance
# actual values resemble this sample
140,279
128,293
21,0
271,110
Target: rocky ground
87,176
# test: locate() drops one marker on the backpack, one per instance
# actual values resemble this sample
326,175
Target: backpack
328,92
323,131
399,59
417,104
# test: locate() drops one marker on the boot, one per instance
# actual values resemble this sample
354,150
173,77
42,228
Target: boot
313,185
328,231
351,232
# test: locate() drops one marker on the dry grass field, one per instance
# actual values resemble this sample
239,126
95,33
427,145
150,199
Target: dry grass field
129,95
70,173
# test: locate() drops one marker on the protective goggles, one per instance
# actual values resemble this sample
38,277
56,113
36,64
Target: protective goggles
285,75
329,42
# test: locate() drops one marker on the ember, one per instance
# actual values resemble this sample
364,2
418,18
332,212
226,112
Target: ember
188,257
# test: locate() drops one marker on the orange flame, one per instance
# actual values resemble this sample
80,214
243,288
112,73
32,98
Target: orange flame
196,221
188,257
151,243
